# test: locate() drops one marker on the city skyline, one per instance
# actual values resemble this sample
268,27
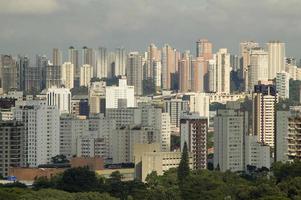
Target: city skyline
135,24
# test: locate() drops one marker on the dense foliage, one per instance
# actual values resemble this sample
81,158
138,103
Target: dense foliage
283,182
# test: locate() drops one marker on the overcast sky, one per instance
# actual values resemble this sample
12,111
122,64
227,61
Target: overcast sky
37,26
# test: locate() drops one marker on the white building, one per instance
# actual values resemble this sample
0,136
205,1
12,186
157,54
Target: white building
276,51
120,96
282,84
101,63
123,141
258,69
97,96
228,140
86,73
120,62
67,75
256,153
199,103
292,70
175,107
212,75
222,59
165,132
42,132
59,97
71,128
157,74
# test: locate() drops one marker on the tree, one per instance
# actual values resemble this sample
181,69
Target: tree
183,170
78,180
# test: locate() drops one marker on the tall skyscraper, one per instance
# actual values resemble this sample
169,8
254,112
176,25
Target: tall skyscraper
212,75
168,66
53,76
282,84
120,62
264,101
276,50
288,134
193,131
22,65
134,72
197,78
258,68
204,54
12,140
67,75
57,57
40,120
222,60
8,73
102,63
153,55
228,140
204,49
86,73
88,56
185,73
73,57
245,48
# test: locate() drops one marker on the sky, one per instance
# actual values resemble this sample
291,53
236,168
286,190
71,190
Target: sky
36,26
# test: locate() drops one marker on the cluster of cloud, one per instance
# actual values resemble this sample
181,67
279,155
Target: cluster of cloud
25,7
44,24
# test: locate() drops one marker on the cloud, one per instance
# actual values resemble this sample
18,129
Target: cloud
135,23
28,6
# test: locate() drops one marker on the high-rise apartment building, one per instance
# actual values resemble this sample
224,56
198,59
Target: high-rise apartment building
264,101
134,72
197,78
42,131
8,73
102,63
288,134
222,59
282,84
71,128
185,73
199,103
22,66
88,57
57,57
258,69
120,62
86,73
53,76
175,107
73,57
59,97
228,140
212,75
169,63
193,131
121,96
245,48
276,50
67,75
12,136
97,97
204,49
